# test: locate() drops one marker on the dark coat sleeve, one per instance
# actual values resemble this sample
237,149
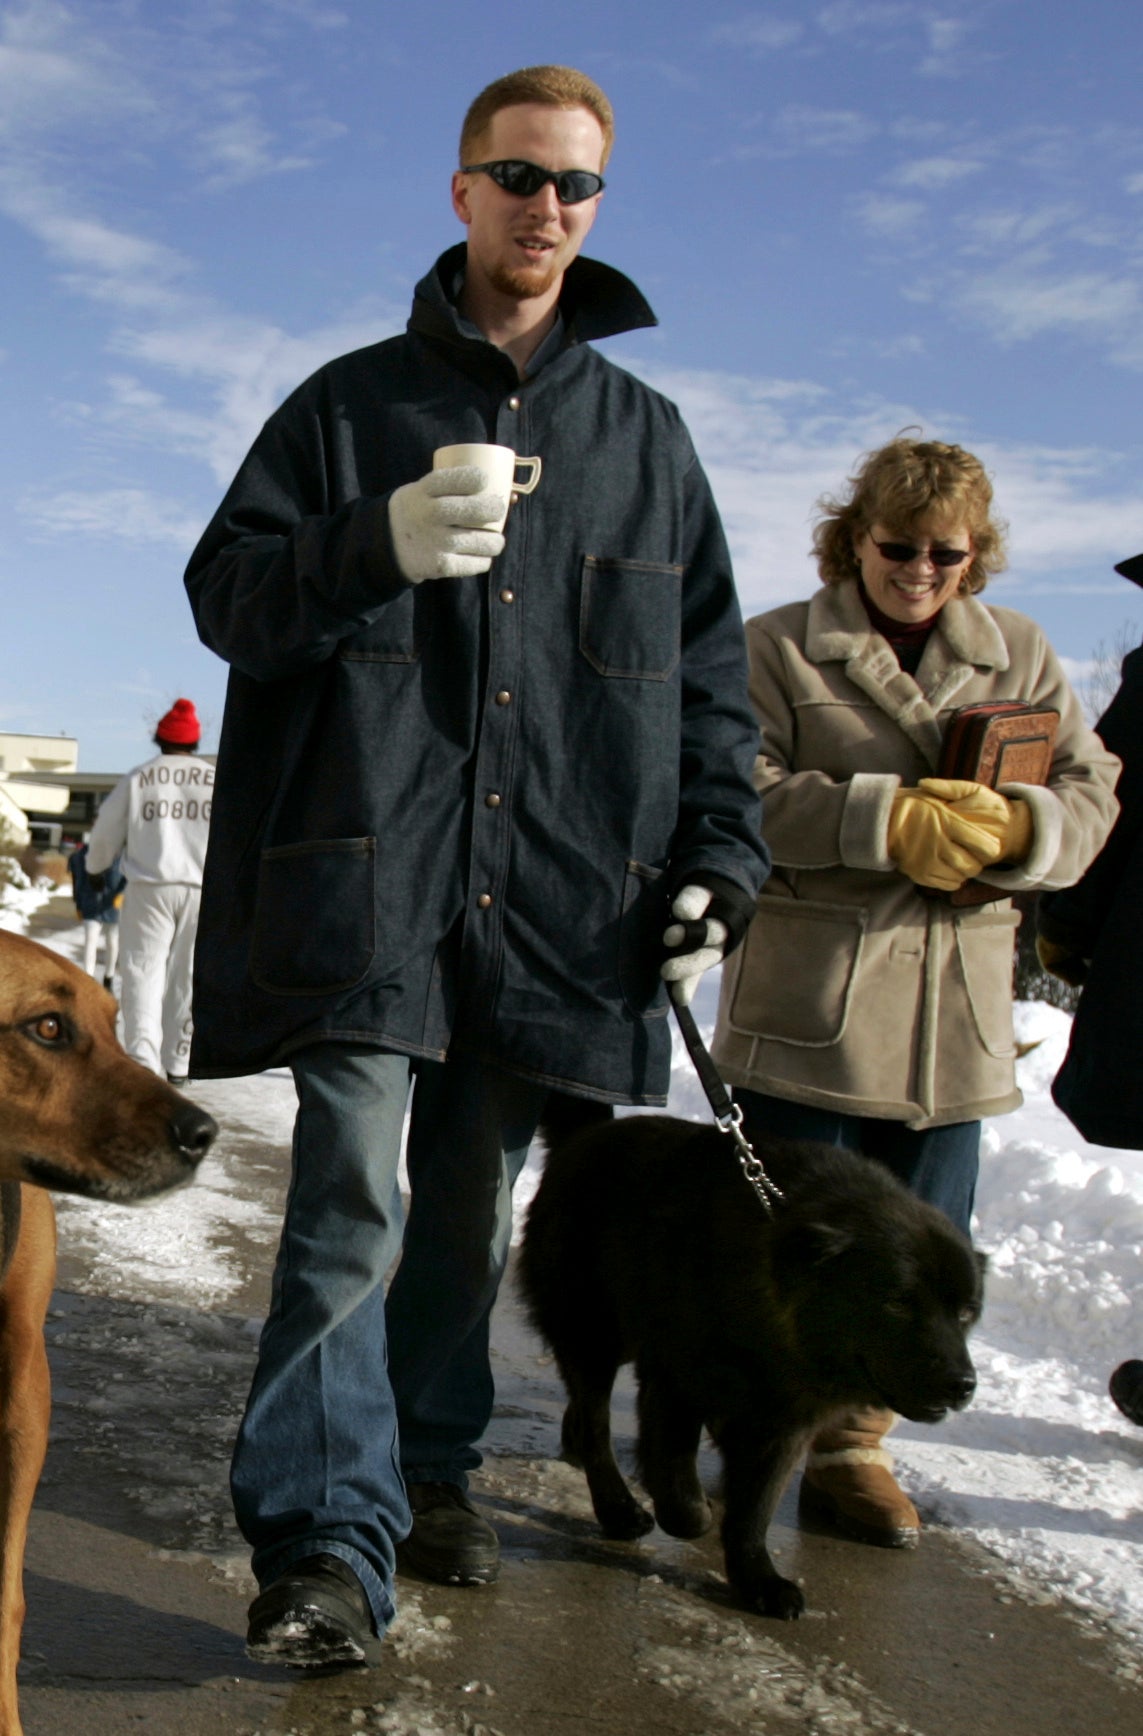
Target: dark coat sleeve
720,816
1075,916
290,564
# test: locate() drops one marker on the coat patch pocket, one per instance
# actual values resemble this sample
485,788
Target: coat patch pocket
642,920
629,618
314,924
795,971
985,945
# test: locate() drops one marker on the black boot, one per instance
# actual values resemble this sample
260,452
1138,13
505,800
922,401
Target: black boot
314,1616
449,1542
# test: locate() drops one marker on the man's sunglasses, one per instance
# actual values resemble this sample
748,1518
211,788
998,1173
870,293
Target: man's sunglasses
572,186
901,553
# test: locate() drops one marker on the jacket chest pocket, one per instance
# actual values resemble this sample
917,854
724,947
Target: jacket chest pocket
629,618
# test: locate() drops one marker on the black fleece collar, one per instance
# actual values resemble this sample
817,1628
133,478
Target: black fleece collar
596,302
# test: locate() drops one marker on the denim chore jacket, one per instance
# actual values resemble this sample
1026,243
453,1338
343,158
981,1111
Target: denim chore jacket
452,812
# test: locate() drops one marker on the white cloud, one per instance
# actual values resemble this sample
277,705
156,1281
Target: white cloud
241,367
311,12
101,261
1005,229
126,514
763,35
935,172
244,367
61,69
54,75
1016,305
945,38
850,17
803,128
882,214
895,348
240,146
772,448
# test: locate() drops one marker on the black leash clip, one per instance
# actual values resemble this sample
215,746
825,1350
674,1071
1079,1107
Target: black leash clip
727,1114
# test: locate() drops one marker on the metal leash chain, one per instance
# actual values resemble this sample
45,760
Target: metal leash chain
752,1166
727,1114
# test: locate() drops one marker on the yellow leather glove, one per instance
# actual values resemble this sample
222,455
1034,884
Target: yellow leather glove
1008,819
1062,961
933,844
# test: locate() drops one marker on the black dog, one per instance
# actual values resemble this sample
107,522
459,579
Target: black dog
645,1243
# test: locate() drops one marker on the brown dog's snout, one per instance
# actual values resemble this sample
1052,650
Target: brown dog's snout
192,1131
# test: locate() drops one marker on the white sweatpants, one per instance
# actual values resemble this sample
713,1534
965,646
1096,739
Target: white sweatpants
156,955
93,932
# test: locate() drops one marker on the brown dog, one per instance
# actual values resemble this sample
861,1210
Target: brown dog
78,1115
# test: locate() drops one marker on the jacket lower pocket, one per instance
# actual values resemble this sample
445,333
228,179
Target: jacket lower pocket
794,973
986,945
314,922
643,918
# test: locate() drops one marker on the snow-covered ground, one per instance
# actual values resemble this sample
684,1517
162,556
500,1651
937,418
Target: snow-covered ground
18,896
1042,1470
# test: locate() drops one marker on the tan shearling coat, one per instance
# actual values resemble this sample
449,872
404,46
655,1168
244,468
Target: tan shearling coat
853,990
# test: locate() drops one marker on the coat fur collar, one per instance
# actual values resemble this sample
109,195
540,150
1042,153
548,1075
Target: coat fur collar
965,639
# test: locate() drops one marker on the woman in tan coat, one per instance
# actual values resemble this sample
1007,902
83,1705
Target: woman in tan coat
863,1009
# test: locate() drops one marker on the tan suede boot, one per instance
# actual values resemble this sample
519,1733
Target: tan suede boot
848,1482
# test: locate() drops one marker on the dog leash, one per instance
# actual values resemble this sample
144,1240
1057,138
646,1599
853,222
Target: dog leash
727,1114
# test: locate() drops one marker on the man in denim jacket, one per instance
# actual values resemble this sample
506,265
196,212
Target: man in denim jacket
465,778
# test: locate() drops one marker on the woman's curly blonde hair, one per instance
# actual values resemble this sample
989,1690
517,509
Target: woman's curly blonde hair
902,485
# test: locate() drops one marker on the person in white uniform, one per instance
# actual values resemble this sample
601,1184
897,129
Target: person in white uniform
156,819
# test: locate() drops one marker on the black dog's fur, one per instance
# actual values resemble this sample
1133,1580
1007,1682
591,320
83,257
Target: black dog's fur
645,1243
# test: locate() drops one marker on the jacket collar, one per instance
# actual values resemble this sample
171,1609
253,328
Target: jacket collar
964,640
596,302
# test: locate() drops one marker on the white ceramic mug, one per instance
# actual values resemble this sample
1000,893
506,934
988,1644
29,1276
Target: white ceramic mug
499,464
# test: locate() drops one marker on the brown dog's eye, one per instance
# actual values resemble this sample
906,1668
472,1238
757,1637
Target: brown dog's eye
49,1029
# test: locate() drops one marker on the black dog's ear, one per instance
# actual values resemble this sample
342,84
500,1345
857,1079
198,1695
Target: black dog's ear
981,1265
813,1244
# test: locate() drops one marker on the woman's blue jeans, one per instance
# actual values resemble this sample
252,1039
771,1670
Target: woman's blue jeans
938,1164
338,1417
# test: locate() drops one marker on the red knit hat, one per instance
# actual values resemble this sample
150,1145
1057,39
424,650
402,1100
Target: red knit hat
180,725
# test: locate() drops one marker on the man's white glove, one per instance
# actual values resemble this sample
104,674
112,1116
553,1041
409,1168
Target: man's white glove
436,524
709,936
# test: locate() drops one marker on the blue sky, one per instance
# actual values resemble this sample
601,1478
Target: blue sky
849,217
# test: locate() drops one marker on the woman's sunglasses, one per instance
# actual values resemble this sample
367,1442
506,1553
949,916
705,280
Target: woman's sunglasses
901,553
572,186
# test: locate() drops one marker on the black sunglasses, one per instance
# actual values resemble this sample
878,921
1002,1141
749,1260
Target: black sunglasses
572,186
900,553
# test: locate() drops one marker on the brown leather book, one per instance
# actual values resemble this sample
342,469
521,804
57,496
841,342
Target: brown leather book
997,742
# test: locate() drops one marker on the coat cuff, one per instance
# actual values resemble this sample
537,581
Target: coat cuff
1047,836
737,906
863,837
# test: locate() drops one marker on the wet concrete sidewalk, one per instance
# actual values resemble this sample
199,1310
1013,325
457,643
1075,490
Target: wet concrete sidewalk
133,1622
137,1584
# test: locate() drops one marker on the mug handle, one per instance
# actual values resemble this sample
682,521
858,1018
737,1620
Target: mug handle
537,465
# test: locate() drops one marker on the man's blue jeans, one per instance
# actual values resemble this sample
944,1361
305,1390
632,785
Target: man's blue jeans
317,1465
938,1164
